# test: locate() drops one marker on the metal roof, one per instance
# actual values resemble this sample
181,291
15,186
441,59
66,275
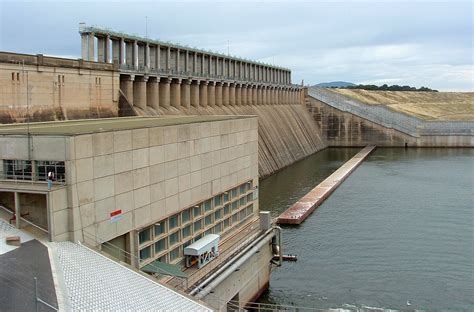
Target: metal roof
94,282
197,248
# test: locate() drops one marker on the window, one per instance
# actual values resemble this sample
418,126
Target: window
144,236
243,188
217,200
56,167
207,205
234,193
243,201
242,214
185,216
197,225
163,259
235,205
145,253
17,169
227,209
160,245
218,228
174,254
249,210
250,197
174,238
227,223
226,197
173,222
186,231
160,228
208,232
197,211
208,220
235,218
218,214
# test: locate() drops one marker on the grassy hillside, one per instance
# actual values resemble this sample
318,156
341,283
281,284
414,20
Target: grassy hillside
425,105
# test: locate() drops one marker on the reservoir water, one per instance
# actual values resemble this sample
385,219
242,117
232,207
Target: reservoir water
397,234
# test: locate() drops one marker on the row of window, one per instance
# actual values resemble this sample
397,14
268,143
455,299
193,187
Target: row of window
214,215
36,170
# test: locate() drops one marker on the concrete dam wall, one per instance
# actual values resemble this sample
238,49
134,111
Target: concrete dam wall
286,133
345,122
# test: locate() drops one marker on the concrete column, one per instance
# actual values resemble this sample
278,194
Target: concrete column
17,210
255,95
176,93
232,94
264,95
238,94
211,94
147,56
195,93
126,85
243,95
249,94
186,93
203,87
164,93
85,46
270,95
139,92
219,98
91,52
153,92
116,51
135,55
225,94
122,51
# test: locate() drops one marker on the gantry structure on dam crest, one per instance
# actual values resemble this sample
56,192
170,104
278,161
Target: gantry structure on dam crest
155,73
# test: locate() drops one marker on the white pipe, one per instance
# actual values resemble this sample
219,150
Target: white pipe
221,274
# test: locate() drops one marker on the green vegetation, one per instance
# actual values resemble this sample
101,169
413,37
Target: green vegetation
386,87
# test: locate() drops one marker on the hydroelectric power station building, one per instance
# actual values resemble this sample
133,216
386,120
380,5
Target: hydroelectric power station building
142,190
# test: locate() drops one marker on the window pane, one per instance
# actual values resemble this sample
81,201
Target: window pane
218,214
235,218
235,205
226,223
160,245
160,228
197,211
227,209
186,216
207,205
208,220
226,197
173,222
197,225
174,238
186,231
145,253
218,228
144,236
217,201
174,254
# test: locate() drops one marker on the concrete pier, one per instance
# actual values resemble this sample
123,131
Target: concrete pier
308,203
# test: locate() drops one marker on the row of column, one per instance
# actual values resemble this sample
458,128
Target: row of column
155,92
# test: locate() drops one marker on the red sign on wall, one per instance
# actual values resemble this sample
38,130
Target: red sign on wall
115,215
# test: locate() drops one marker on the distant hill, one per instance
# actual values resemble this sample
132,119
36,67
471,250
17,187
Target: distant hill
334,84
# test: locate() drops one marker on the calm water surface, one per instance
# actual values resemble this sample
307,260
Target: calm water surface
399,229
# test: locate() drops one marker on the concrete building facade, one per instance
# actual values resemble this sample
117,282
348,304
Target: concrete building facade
147,186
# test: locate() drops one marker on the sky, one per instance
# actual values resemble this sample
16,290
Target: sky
416,43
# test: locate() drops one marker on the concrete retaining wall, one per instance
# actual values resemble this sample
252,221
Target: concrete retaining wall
347,123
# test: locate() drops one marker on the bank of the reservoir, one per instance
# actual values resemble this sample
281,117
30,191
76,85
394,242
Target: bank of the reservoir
398,229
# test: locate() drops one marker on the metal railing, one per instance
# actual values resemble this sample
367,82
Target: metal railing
388,118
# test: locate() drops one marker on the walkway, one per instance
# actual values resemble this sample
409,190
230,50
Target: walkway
308,203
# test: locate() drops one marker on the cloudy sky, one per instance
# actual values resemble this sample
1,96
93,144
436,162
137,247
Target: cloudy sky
417,42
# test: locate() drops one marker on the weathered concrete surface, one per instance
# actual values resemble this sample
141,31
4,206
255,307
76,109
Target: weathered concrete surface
286,133
308,203
40,88
341,128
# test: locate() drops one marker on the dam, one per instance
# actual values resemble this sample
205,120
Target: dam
143,148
